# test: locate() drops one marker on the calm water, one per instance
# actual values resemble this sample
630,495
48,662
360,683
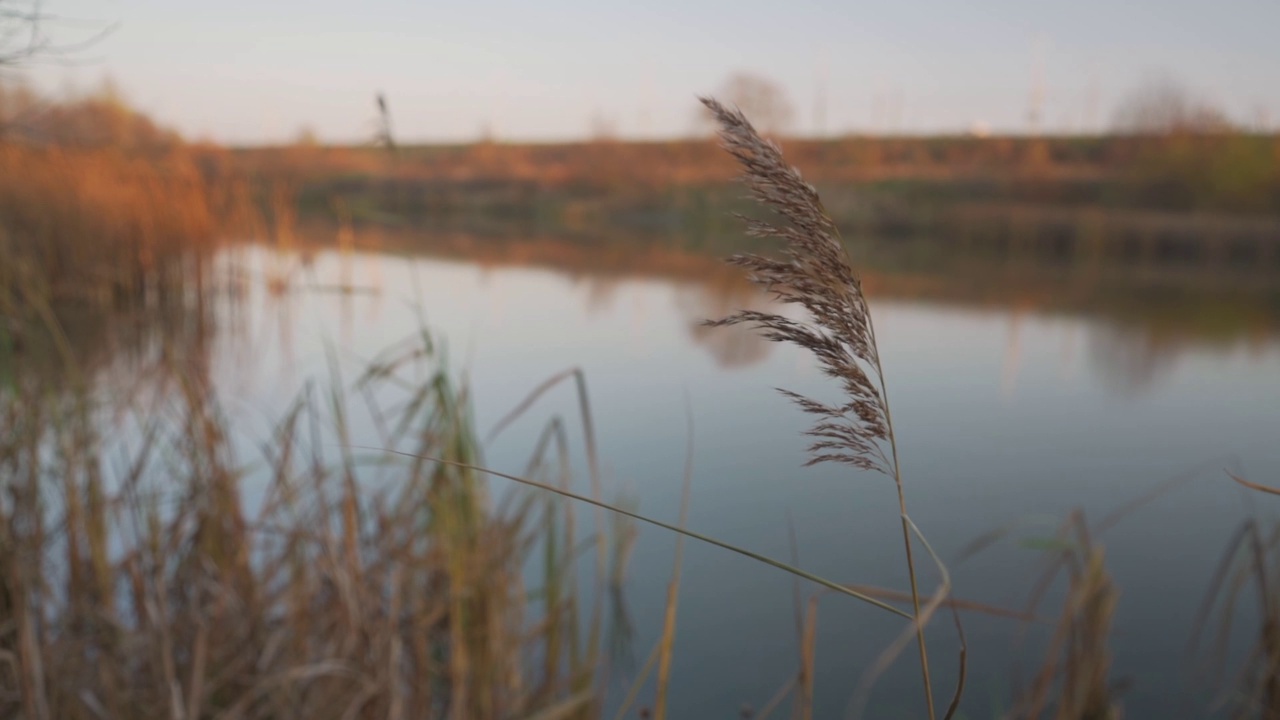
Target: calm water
1008,410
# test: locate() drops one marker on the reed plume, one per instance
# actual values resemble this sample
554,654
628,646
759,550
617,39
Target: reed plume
815,273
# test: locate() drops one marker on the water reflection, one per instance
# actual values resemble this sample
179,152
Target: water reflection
1127,361
82,346
734,346
1132,330
1137,322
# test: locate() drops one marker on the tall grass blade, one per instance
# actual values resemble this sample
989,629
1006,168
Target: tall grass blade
668,641
798,572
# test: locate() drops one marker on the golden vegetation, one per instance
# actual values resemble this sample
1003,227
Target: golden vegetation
97,203
1120,171
97,224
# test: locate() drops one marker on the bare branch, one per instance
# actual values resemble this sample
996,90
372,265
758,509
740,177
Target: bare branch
24,33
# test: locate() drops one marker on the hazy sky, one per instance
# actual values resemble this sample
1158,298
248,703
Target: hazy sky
259,70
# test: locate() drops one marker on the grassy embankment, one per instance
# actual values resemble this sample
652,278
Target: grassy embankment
1174,188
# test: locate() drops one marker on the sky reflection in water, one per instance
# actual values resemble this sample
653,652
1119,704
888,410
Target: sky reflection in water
1005,413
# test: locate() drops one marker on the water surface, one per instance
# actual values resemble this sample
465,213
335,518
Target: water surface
1018,400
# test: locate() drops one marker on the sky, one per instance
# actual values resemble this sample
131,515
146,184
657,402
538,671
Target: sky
260,71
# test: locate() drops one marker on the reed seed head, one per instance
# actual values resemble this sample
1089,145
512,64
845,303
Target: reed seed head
816,275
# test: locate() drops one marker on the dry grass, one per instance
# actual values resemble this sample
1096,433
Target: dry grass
667,643
180,581
98,225
1074,681
1250,566
100,205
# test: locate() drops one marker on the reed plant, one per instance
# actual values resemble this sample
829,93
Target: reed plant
1250,566
815,274
1074,681
163,574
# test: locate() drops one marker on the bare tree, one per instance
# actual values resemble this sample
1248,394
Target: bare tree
1162,106
763,101
21,33
24,35
603,128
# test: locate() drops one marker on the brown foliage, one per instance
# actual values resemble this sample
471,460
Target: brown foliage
99,203
93,223
153,588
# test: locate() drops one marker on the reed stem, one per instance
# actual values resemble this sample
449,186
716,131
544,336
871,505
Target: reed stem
925,675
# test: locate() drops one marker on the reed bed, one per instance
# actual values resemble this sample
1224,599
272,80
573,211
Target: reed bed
100,205
164,575
98,225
